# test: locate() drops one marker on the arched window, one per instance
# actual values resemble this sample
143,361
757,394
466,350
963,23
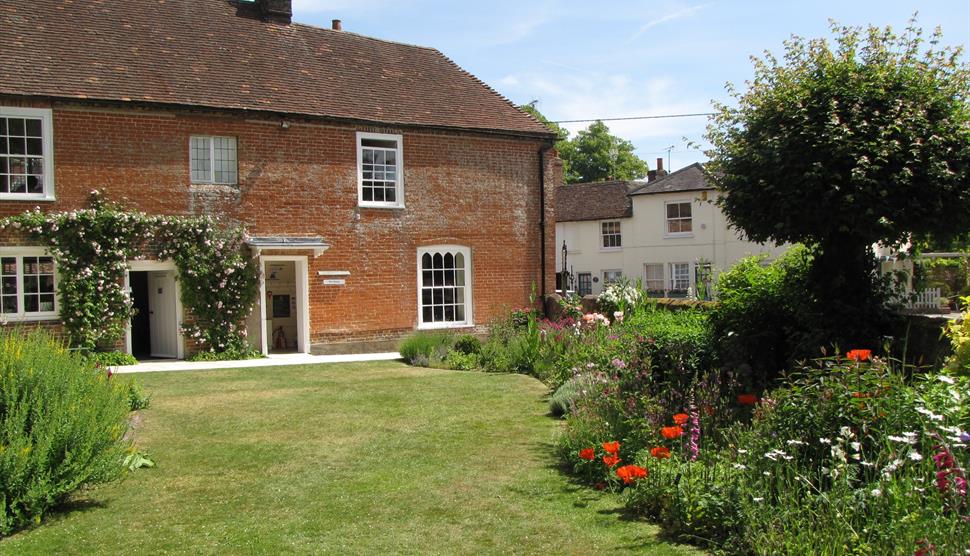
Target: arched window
444,286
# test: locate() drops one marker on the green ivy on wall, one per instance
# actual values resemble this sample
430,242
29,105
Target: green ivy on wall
91,247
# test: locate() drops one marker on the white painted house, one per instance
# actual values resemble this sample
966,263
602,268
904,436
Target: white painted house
666,232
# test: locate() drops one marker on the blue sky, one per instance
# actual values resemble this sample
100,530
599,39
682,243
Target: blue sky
616,59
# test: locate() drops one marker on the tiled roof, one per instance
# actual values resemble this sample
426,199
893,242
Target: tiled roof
688,178
221,54
594,201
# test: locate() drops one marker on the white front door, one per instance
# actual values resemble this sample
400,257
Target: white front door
161,314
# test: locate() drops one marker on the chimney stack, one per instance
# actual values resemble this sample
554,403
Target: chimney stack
277,11
660,166
335,25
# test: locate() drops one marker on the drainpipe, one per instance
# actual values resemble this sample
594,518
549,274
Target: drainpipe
542,225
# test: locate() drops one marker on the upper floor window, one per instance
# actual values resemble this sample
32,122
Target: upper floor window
444,286
27,285
380,170
610,232
213,160
26,153
679,218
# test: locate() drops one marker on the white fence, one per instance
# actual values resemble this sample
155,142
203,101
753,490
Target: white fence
926,299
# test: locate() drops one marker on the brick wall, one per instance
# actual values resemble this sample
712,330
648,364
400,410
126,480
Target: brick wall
476,190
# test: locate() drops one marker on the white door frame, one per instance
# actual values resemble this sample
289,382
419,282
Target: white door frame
158,266
302,295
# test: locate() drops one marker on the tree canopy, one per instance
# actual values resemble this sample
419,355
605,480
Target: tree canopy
869,138
594,154
843,145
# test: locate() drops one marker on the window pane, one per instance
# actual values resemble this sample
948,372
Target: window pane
426,277
426,315
426,260
672,211
15,126
34,128
17,165
438,260
17,145
460,313
685,210
426,297
439,313
9,304
31,304
18,184
379,143
685,226
460,277
450,313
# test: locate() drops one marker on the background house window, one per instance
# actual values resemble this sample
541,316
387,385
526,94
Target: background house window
26,161
27,286
584,283
679,276
679,218
380,169
213,160
611,276
653,277
444,289
611,235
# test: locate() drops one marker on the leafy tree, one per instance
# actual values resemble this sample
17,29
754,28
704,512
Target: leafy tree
842,146
594,154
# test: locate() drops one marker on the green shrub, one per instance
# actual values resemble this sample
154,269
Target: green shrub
959,334
564,398
233,353
460,361
112,358
467,344
61,426
426,349
137,398
761,319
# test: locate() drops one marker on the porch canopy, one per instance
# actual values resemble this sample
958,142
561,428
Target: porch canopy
316,243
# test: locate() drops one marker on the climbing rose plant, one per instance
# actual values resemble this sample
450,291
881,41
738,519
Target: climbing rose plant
219,282
91,248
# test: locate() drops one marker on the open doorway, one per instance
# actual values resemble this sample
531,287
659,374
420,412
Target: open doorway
282,326
154,331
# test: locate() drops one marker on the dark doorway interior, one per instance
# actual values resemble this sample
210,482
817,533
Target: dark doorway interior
141,339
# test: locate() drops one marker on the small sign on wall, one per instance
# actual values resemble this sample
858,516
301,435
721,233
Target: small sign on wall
334,282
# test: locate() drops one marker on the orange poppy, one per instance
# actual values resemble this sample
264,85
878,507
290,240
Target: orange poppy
681,418
611,447
660,452
673,432
587,454
747,399
630,473
859,355
610,461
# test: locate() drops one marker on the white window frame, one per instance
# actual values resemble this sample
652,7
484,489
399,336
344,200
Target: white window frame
673,276
668,220
647,280
20,316
579,278
399,170
47,130
618,234
212,160
467,301
607,282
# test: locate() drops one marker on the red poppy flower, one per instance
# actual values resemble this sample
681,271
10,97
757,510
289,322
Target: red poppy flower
587,454
630,473
660,452
611,447
681,418
673,432
747,399
610,461
859,355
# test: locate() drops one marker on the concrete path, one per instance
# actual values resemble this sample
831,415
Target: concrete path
271,361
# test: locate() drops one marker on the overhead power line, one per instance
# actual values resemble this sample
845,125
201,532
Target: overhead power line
634,118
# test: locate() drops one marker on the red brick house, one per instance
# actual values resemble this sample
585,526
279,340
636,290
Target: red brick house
383,188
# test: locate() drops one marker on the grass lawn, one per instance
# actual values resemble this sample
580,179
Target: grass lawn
358,458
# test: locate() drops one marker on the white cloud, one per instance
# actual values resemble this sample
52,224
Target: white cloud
679,14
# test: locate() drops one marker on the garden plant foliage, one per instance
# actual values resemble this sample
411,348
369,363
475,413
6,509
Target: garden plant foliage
62,421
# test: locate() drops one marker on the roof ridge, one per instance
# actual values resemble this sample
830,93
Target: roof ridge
361,36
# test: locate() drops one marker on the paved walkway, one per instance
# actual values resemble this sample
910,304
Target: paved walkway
271,361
